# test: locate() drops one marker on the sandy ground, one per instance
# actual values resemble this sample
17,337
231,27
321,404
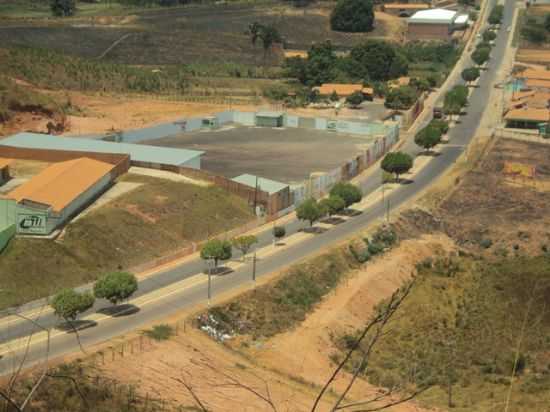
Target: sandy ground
305,352
105,113
290,363
217,376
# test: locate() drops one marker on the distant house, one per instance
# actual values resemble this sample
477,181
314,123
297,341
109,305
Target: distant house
279,193
344,90
527,118
402,81
57,193
404,9
534,79
435,24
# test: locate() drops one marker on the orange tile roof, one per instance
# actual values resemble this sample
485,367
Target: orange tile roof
533,99
5,162
342,90
533,115
535,74
61,183
296,53
406,6
537,84
522,94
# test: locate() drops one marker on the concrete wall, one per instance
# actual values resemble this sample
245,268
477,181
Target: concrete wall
225,117
245,118
194,163
5,236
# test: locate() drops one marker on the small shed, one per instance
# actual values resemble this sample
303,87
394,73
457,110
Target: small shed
269,119
210,122
279,192
5,170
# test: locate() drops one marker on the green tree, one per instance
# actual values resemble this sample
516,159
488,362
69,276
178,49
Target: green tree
440,124
481,55
116,287
310,210
470,74
334,97
355,99
401,98
489,35
547,22
244,243
377,60
279,232
428,137
348,192
63,8
216,250
333,204
68,304
455,100
269,35
321,64
354,16
397,163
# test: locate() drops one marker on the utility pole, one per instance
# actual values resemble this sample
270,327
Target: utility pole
209,263
255,194
254,268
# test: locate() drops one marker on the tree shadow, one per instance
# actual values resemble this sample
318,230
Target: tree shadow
333,220
431,153
219,271
402,181
76,325
315,230
117,311
349,212
279,243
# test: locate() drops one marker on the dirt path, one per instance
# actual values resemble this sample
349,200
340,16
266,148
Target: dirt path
101,114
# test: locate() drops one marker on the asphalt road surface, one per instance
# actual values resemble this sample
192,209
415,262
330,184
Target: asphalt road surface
460,136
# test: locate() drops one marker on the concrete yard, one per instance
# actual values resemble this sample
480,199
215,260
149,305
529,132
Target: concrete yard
288,155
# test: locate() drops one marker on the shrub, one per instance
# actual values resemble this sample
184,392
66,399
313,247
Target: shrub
353,16
160,332
375,248
401,98
279,232
486,243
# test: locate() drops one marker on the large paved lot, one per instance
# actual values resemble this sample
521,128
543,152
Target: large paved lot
287,155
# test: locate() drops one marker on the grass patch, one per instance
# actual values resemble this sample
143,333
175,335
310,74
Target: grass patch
280,305
160,332
462,323
152,220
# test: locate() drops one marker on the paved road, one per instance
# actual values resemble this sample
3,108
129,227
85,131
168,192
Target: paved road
460,136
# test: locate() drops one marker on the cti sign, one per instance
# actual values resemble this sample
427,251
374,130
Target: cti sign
31,223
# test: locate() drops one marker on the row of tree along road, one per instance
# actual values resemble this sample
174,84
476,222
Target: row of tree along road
454,102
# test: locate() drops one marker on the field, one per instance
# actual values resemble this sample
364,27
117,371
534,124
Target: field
198,33
287,155
154,219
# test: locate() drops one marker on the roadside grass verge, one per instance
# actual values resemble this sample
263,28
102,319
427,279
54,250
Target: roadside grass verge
462,323
148,222
280,305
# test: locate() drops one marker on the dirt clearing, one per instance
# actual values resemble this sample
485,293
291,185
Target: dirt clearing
288,155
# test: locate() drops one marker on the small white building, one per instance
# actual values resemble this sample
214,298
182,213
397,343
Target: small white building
435,24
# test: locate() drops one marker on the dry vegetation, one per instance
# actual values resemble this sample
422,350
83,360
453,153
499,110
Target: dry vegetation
150,221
